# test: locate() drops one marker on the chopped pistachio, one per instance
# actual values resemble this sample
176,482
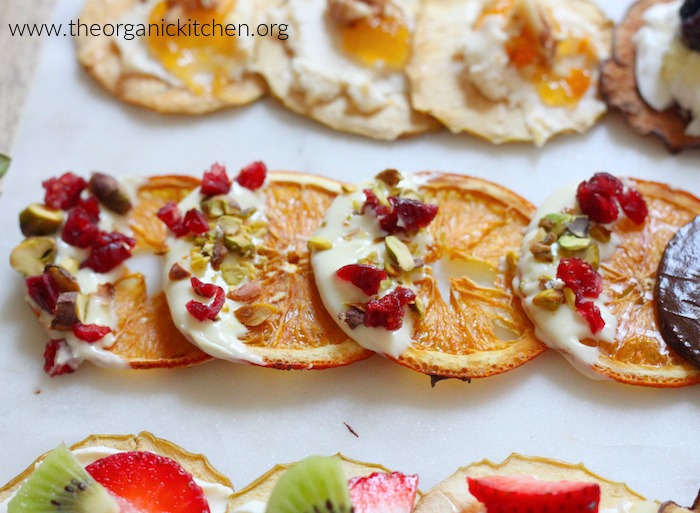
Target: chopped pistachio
246,292
419,308
66,281
110,192
69,264
229,224
234,274
319,243
573,243
70,307
399,253
569,296
555,223
372,258
391,269
220,205
177,272
37,219
592,256
198,262
541,252
254,314
599,233
512,260
348,188
240,242
579,226
391,177
32,255
549,299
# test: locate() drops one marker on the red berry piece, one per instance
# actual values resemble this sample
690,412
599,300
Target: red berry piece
200,311
371,201
63,192
383,493
44,291
195,222
388,312
80,229
597,205
108,251
513,494
413,214
215,181
365,277
591,313
633,205
580,277
149,482
91,205
52,366
90,332
172,217
252,176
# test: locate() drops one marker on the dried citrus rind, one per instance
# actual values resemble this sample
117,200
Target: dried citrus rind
480,330
619,88
195,464
634,353
453,494
150,85
283,323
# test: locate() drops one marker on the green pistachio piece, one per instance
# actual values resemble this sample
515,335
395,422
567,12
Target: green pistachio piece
217,206
234,274
66,281
600,233
229,224
399,253
549,299
254,314
69,264
198,261
569,296
37,219
592,256
239,243
32,255
573,243
419,308
555,223
319,243
70,309
110,192
579,226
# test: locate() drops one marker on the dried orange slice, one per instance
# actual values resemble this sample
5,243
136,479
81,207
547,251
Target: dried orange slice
453,493
272,314
464,321
96,446
142,333
630,347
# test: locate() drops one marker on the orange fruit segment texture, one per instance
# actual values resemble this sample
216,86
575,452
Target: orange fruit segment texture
382,39
639,355
481,330
202,63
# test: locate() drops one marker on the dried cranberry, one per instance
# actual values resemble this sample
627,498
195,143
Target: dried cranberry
51,366
90,332
108,251
365,277
91,205
591,313
252,176
633,205
63,192
80,229
195,222
371,201
44,291
200,311
413,214
388,312
215,181
172,217
580,277
596,204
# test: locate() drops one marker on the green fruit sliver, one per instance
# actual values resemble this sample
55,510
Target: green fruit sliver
60,483
317,483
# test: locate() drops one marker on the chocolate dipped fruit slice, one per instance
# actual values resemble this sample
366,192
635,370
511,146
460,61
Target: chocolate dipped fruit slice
677,292
334,484
414,267
79,243
654,73
238,277
587,273
118,473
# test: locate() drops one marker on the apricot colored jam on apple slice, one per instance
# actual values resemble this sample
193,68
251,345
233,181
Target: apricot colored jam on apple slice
201,59
382,39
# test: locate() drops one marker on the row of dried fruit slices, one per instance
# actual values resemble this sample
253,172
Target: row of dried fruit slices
296,271
110,473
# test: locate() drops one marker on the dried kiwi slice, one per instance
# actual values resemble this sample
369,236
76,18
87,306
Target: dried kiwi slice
60,483
317,483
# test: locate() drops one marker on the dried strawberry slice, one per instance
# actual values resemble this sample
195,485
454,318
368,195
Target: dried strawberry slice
591,313
196,222
388,312
200,311
365,277
80,229
252,176
172,217
633,205
44,291
90,332
215,181
63,192
51,365
108,251
580,277
413,214
148,482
